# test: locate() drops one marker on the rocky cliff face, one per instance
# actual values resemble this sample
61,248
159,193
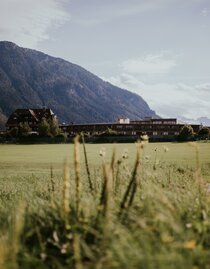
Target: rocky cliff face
29,78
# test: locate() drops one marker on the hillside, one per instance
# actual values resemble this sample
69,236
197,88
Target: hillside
29,78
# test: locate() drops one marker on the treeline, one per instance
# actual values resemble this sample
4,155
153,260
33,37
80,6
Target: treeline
46,128
48,131
187,134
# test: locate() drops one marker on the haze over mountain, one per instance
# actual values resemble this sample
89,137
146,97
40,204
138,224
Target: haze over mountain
29,78
202,120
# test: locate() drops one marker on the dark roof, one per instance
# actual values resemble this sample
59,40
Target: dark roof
43,112
35,114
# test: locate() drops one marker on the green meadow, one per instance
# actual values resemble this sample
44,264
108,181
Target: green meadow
105,206
26,159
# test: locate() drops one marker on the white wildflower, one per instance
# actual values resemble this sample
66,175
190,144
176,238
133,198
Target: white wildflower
125,154
166,149
144,138
188,225
102,152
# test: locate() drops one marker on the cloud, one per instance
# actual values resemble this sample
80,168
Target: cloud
147,77
149,65
205,12
110,10
27,22
169,100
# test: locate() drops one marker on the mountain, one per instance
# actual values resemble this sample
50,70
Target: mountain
202,120
30,78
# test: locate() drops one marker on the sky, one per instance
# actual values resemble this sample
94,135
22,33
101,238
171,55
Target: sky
158,49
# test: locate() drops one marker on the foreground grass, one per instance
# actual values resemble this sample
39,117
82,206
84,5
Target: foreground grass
145,211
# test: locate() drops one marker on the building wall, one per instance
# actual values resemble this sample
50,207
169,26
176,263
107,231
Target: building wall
154,129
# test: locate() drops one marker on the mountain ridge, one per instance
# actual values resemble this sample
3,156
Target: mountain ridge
29,78
205,121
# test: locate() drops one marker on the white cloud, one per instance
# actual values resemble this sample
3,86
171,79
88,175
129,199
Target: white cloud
145,77
26,22
149,65
110,10
106,12
169,100
205,12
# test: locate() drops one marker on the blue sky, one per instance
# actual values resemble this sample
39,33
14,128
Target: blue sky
156,48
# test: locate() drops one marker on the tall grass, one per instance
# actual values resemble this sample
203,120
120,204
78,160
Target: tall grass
66,194
116,216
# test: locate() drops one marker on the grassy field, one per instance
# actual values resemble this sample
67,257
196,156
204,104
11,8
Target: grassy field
25,159
145,206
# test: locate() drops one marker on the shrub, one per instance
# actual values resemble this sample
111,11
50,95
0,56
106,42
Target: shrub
48,128
23,129
204,133
186,133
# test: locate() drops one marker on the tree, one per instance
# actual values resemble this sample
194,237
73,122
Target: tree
23,129
204,133
110,132
13,132
44,128
54,127
48,128
186,133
